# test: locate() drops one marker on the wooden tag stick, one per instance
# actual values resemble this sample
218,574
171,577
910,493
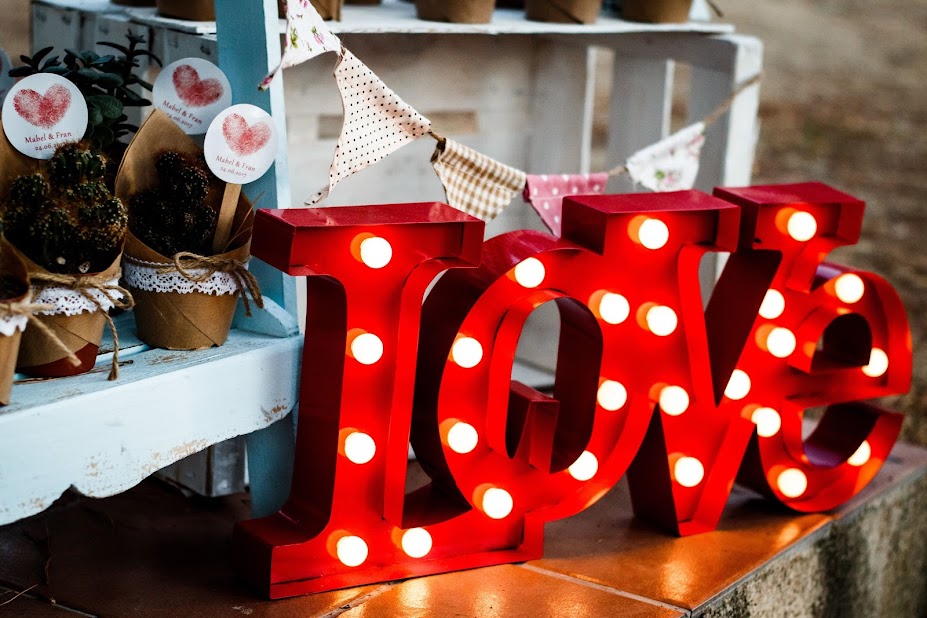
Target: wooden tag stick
226,216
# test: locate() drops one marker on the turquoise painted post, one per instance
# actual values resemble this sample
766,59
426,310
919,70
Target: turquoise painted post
249,47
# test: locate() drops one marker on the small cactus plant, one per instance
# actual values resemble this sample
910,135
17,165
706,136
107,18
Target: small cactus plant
175,217
64,218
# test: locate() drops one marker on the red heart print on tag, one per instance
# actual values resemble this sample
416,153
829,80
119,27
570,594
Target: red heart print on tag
43,110
194,91
242,138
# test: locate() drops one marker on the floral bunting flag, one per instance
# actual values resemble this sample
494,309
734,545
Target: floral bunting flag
672,163
307,36
473,182
376,122
546,192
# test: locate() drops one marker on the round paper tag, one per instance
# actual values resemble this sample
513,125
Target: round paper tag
192,91
6,82
42,112
241,144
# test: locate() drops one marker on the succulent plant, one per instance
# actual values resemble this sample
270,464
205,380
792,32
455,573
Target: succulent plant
175,217
64,218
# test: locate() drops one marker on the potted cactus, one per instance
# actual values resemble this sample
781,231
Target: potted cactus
456,11
563,11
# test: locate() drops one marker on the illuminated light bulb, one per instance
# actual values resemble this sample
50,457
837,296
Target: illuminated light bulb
367,348
792,482
359,448
849,288
878,363
738,387
416,542
773,305
530,273
862,455
614,308
351,550
661,320
612,395
467,352
780,342
585,467
462,438
497,503
688,471
653,233
674,400
376,252
802,226
767,421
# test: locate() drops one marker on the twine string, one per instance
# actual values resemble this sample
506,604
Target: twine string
116,294
185,262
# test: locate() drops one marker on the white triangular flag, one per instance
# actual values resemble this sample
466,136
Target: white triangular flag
307,36
672,163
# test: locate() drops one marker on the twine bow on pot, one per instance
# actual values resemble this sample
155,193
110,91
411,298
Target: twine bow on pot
186,262
116,294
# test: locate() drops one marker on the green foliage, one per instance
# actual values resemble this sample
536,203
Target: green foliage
64,218
106,83
175,216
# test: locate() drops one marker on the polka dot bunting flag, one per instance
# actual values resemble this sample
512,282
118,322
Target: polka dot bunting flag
546,192
376,122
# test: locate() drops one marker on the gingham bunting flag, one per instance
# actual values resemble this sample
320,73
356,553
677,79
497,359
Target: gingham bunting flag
307,36
376,122
546,192
473,182
672,163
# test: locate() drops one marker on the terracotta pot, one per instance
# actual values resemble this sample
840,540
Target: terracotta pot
656,11
16,286
563,11
456,11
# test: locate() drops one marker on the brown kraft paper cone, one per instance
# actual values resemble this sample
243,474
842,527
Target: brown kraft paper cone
13,268
456,11
563,11
81,334
9,349
656,11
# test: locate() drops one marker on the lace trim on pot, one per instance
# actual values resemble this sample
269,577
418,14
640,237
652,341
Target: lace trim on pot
11,317
145,276
74,302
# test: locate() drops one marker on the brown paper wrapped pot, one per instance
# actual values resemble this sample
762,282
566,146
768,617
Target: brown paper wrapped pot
563,11
656,11
14,270
456,11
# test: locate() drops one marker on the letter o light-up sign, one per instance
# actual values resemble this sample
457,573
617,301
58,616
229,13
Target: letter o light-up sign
683,400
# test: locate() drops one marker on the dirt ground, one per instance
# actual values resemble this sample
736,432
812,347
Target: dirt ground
844,101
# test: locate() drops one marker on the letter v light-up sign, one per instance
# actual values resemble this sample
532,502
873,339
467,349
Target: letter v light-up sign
646,382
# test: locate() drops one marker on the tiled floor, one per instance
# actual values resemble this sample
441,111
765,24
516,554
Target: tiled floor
151,552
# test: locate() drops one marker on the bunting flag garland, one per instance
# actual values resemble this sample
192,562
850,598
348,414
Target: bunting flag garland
376,122
473,182
670,164
307,36
546,192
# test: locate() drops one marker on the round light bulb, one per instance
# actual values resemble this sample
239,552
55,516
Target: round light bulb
802,226
862,454
738,387
688,471
849,288
612,395
767,421
462,438
359,448
376,252
773,305
530,273
585,467
780,342
878,363
467,352
366,348
351,550
416,542
653,234
661,320
792,482
674,400
614,308
497,503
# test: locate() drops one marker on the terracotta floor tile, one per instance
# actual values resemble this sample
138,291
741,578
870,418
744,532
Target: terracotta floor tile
504,591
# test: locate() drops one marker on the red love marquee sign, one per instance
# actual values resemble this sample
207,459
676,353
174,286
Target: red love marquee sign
684,400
